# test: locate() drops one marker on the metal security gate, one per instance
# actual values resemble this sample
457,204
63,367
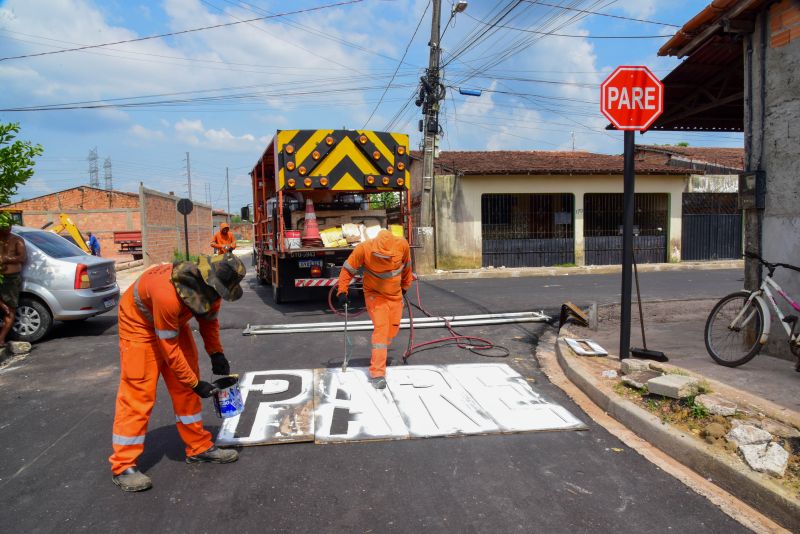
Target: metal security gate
527,230
711,227
603,227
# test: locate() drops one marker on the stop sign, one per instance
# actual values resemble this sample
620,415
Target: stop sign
632,98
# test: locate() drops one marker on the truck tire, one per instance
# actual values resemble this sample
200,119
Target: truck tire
33,320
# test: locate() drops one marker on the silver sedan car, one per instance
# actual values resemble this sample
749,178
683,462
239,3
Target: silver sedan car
60,282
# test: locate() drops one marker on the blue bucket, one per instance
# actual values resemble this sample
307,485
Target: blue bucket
228,398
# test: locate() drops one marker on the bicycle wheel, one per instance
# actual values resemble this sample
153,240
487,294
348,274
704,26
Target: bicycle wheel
731,344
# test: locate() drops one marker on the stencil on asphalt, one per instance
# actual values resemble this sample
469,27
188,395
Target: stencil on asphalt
326,405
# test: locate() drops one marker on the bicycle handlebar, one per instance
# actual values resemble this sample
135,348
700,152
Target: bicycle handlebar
768,265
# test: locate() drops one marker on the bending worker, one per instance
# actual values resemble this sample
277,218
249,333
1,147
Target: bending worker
155,339
223,240
387,276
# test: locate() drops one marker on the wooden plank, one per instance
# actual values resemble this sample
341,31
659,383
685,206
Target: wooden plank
278,408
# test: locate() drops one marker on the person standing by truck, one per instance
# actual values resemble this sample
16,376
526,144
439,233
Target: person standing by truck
12,258
387,276
155,340
94,244
223,241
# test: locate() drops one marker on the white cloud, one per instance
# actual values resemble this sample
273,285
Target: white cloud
144,133
638,8
193,132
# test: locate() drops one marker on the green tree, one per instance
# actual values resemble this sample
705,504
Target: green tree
16,164
683,143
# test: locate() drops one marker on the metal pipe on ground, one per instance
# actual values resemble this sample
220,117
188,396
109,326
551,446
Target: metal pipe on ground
437,322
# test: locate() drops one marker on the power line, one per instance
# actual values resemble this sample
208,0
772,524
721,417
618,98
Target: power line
181,32
571,35
398,65
603,14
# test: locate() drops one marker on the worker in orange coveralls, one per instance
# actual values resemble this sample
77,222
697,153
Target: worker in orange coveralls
387,276
155,339
223,240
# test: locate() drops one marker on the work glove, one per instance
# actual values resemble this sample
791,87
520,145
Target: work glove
204,389
343,299
219,364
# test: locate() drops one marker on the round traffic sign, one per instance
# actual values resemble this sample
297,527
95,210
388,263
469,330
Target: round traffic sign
185,206
632,98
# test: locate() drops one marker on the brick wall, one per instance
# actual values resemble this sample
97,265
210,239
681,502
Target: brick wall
92,210
162,227
784,23
243,230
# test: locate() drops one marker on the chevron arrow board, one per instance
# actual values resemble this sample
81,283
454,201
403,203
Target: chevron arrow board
328,406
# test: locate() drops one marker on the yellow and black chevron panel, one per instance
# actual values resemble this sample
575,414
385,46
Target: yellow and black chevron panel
342,160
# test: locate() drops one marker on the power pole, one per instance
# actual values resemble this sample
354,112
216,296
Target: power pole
228,190
189,175
430,96
109,180
94,172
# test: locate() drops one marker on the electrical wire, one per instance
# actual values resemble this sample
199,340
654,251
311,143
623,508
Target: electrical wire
588,12
587,36
183,32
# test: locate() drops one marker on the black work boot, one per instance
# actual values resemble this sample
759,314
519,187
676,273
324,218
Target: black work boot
132,480
378,382
214,455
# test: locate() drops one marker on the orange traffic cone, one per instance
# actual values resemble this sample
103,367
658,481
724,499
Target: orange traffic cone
311,237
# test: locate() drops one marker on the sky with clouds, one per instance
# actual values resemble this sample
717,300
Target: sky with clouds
220,94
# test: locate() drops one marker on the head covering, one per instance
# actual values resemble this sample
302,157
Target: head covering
192,288
223,226
224,273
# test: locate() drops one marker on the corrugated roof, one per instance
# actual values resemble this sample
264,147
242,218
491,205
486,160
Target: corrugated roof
731,158
542,162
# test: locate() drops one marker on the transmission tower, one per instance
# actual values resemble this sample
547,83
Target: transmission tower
107,174
94,173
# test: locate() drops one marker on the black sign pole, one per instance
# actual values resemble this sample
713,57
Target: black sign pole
186,234
627,247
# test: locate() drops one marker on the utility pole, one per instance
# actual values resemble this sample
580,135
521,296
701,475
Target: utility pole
430,96
228,190
189,175
109,180
573,140
94,172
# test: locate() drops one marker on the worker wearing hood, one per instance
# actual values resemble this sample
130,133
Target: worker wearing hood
155,340
386,261
224,240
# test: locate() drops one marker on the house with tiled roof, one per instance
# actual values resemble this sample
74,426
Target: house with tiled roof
718,168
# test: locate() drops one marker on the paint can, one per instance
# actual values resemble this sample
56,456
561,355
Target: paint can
228,398
292,239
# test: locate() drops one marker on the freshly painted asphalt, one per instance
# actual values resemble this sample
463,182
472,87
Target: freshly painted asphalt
55,438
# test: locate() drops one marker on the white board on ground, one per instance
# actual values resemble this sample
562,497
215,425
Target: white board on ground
278,408
348,408
509,400
433,403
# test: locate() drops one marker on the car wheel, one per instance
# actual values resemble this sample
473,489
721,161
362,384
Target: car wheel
32,322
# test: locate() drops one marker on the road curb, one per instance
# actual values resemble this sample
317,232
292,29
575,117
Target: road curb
526,272
722,471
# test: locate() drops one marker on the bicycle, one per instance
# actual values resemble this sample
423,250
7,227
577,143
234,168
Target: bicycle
739,324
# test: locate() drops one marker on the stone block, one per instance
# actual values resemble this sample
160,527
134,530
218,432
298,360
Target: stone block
18,347
766,458
716,405
629,366
748,435
639,379
779,429
673,386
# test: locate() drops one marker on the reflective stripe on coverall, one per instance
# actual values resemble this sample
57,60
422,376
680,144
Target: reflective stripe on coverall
387,272
155,339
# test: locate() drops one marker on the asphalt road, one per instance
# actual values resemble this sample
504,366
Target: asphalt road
55,439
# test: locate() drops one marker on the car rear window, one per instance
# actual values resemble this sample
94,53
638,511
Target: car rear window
52,244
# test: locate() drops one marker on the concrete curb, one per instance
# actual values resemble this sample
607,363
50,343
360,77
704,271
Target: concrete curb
726,473
589,269
124,266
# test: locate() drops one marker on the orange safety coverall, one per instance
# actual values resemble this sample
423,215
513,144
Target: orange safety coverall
155,339
387,272
223,239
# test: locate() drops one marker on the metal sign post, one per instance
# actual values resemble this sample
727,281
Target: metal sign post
185,207
632,98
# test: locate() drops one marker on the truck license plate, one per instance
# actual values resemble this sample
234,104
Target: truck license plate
307,264
109,303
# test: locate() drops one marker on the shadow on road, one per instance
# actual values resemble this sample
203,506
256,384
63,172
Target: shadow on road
165,442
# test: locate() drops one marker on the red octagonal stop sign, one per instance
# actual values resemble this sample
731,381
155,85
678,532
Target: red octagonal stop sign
632,98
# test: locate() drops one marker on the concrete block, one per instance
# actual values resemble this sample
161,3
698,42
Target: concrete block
716,405
630,366
779,429
673,386
748,435
766,458
18,347
639,379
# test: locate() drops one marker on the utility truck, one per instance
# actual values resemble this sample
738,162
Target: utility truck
353,178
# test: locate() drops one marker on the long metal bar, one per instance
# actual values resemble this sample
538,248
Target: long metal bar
332,327
627,246
421,320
